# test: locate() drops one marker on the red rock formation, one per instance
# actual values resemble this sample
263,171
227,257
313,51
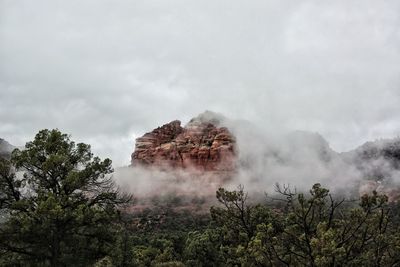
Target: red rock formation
200,145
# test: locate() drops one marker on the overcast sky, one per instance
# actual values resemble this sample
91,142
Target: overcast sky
108,71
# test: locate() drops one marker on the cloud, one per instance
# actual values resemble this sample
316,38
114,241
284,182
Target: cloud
106,72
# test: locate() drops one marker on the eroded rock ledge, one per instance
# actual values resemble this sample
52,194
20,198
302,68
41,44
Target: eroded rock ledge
200,145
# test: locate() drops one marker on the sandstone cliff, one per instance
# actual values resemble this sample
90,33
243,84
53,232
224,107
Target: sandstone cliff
200,145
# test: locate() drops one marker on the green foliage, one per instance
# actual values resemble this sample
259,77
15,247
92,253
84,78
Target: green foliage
61,211
202,248
313,230
9,185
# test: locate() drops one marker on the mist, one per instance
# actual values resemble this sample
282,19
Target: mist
297,159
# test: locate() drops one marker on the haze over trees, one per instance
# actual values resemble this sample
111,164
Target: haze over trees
65,210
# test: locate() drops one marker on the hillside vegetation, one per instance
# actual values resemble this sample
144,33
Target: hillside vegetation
67,211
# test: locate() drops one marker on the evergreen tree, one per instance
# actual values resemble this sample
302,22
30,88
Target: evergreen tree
62,211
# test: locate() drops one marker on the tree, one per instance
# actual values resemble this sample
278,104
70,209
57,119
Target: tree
322,231
310,230
8,185
62,210
238,221
202,248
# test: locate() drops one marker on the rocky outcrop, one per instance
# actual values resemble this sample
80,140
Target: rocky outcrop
379,160
200,145
379,165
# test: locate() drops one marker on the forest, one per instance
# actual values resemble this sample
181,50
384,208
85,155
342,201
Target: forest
59,206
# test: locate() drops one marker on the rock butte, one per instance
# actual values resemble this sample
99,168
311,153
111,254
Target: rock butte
201,145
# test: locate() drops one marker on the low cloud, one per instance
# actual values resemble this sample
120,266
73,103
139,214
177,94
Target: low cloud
298,159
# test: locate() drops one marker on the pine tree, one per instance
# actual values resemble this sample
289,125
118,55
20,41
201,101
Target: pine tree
62,211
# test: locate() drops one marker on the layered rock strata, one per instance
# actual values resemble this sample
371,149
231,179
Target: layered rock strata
200,145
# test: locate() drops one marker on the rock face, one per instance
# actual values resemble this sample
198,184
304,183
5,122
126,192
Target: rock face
200,145
379,164
379,160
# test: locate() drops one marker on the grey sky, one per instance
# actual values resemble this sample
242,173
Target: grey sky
108,71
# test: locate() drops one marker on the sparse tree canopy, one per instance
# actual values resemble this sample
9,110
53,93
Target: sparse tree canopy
308,230
60,213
